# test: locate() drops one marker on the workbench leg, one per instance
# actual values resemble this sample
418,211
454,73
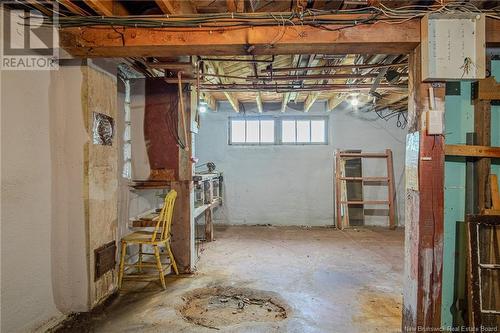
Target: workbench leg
209,227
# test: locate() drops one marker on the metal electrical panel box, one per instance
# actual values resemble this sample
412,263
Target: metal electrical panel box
453,46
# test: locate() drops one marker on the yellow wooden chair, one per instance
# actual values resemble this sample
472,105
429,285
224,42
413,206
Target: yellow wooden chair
159,237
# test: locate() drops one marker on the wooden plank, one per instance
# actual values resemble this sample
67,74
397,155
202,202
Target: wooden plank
482,127
311,98
371,179
235,6
338,216
490,212
365,202
105,41
218,69
258,100
334,101
181,226
472,151
424,212
364,155
176,7
488,89
107,8
391,190
73,7
209,227
495,195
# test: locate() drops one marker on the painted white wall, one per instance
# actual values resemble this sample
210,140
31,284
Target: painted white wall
27,295
293,185
44,272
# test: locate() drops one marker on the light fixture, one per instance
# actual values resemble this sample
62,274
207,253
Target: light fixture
202,107
354,101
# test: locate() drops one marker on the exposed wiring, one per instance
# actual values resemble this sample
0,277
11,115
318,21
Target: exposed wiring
322,19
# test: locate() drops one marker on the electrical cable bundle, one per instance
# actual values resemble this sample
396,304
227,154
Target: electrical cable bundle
316,18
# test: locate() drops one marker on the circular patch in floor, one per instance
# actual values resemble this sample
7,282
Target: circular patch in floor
217,307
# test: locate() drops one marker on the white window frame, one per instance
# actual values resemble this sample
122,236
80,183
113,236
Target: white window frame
231,119
127,142
302,118
278,123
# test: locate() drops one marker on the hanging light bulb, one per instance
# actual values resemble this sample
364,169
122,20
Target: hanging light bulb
202,107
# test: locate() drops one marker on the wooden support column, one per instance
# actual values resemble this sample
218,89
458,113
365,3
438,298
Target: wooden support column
482,127
171,162
181,226
424,212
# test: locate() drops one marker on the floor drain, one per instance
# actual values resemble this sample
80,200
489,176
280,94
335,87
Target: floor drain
217,307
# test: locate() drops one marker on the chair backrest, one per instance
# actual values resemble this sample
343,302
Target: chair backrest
162,228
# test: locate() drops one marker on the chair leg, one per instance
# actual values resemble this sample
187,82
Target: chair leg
160,267
122,264
140,258
172,259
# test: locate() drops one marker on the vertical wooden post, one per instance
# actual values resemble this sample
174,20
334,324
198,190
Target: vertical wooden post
209,227
424,212
338,217
391,190
181,226
482,127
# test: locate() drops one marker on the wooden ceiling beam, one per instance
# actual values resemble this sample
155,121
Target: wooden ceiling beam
176,7
295,61
217,69
40,7
73,7
235,6
300,5
107,8
258,99
301,39
313,96
310,99
334,101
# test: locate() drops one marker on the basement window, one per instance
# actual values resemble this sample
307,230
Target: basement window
127,137
251,131
303,131
277,130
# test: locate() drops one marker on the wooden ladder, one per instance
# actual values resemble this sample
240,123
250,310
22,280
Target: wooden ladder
483,232
341,199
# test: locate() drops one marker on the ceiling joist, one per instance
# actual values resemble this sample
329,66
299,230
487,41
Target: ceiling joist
107,8
176,7
218,69
235,6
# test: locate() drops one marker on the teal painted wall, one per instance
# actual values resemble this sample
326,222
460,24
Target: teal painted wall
459,119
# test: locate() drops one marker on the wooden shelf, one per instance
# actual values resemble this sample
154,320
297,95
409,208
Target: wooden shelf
366,202
200,209
150,184
364,155
371,179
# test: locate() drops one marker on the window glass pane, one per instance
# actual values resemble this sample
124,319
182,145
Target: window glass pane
126,133
127,170
252,131
267,131
127,151
303,131
237,131
317,131
288,131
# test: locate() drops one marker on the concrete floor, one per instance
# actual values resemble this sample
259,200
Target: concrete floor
331,280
